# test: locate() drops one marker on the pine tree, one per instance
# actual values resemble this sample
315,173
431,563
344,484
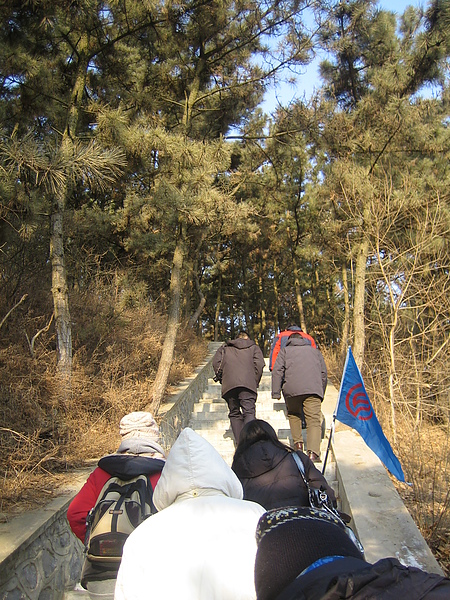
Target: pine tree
371,77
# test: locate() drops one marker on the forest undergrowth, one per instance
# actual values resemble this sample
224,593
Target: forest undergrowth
117,354
42,441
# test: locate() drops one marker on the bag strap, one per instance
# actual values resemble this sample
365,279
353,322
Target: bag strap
325,505
322,492
300,465
222,358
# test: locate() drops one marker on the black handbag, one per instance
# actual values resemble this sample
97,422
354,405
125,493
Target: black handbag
318,498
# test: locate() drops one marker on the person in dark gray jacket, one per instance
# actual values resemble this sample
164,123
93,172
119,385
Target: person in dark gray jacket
238,365
300,372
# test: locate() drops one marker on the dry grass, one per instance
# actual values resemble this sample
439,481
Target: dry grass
115,360
424,453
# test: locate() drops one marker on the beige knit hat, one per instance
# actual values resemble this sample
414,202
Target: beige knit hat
139,424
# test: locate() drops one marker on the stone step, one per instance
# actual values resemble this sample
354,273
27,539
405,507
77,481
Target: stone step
78,593
219,438
213,404
277,421
261,401
215,390
274,419
210,420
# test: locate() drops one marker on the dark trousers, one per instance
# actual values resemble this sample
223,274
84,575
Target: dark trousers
241,406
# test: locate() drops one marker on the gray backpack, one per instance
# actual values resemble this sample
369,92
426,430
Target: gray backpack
121,506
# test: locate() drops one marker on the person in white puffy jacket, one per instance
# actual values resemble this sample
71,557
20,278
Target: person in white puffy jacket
201,545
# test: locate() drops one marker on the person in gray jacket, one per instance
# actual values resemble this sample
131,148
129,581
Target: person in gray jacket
300,372
238,365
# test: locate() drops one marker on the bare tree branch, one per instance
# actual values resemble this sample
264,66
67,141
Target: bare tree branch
36,335
24,297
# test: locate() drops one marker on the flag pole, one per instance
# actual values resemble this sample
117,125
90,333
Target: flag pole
333,422
329,442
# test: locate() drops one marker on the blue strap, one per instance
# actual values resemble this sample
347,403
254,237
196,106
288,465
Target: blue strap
300,465
321,561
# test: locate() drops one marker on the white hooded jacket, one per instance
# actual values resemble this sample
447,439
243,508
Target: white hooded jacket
202,545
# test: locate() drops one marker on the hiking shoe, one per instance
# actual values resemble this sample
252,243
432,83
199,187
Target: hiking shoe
314,457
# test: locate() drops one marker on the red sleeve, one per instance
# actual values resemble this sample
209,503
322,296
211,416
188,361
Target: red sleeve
154,478
275,351
308,337
85,500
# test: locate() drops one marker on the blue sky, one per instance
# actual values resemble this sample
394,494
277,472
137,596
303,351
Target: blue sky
286,93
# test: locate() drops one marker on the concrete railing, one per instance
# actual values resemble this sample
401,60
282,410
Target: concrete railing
40,558
379,517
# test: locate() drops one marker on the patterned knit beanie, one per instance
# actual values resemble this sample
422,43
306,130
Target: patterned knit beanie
139,425
290,540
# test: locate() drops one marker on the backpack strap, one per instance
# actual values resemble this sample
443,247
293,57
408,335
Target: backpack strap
300,466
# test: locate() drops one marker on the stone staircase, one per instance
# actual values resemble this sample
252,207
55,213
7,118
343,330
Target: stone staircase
210,420
40,543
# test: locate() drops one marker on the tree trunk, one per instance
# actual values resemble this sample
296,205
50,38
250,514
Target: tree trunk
417,382
262,311
298,295
187,299
218,306
346,324
392,371
232,324
60,293
314,292
159,385
201,305
248,322
359,303
276,316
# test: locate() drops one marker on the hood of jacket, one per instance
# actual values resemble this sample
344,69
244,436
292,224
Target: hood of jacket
241,343
194,468
127,466
259,458
298,341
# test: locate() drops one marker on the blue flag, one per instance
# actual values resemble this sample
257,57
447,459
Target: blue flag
354,409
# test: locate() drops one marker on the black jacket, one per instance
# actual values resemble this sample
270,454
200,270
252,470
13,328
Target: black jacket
299,370
241,363
270,476
355,579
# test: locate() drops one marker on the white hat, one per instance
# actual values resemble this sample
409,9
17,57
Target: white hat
139,424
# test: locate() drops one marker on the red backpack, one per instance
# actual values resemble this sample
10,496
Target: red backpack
280,342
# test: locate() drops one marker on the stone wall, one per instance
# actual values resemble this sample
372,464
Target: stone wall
176,414
39,555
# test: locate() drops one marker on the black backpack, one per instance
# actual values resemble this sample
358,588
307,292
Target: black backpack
121,506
